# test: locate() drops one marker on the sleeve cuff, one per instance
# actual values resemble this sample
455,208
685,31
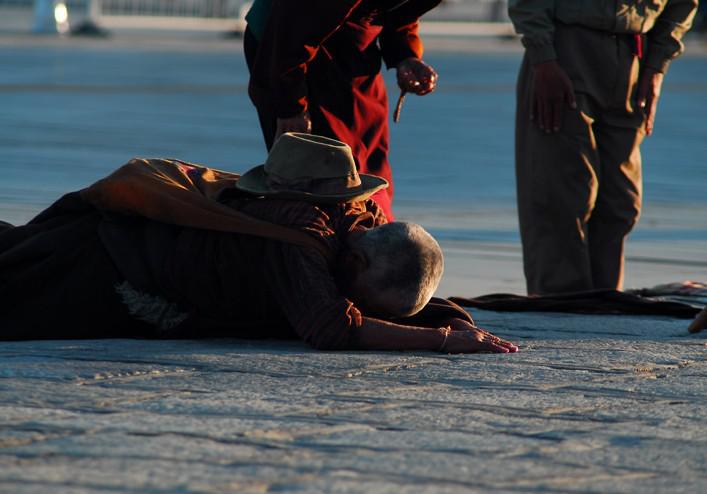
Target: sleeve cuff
392,61
399,43
435,314
392,56
540,53
657,62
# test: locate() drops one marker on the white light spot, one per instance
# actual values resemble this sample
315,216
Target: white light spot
61,13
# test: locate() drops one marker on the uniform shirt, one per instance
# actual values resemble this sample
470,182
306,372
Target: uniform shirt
664,22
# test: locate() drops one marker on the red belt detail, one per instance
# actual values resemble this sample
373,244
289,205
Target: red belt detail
638,45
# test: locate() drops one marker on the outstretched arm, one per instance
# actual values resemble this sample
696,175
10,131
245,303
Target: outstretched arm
458,336
310,300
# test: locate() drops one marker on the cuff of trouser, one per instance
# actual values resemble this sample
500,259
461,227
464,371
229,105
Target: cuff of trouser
540,53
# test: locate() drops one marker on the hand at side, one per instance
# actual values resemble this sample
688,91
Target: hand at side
415,76
649,85
552,94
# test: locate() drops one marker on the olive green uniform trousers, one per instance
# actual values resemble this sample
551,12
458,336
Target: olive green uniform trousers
579,190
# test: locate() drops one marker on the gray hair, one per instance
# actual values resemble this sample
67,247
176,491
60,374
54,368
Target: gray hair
405,267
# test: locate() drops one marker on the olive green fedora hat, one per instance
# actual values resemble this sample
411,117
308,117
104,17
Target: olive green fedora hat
311,168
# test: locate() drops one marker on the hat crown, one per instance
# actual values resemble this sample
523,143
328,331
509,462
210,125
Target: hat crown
310,167
296,156
311,163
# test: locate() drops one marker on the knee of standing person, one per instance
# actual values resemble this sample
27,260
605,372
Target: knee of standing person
622,211
397,268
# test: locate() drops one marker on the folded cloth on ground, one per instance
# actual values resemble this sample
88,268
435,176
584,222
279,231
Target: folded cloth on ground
690,292
681,300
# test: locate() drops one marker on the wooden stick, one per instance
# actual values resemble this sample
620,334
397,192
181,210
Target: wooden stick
399,106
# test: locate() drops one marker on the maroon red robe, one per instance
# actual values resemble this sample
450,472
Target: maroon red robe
325,57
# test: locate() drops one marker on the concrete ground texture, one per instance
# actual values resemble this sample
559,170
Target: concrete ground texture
591,404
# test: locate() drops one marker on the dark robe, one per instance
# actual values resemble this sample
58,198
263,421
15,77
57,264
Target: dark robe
57,279
61,275
325,57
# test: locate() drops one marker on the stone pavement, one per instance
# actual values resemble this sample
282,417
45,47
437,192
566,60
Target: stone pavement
592,404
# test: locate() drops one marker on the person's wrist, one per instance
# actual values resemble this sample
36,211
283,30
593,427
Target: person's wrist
541,53
651,71
407,61
546,66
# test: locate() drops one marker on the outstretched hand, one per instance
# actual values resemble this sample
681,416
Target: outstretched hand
649,85
464,337
552,94
415,76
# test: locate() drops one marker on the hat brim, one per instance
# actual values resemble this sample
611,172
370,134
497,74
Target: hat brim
254,182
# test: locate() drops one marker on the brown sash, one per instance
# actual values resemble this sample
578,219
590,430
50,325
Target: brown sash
184,194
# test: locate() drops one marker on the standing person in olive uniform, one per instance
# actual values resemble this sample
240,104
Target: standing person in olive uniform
315,66
587,95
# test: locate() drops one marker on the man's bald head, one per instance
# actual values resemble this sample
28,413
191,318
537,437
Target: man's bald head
401,266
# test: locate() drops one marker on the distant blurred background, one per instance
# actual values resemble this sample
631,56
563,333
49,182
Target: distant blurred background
83,16
90,16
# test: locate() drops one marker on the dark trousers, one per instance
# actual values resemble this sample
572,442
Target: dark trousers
579,190
266,116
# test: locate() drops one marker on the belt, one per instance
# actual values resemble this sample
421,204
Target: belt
638,45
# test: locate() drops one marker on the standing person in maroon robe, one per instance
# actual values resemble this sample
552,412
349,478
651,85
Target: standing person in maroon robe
316,67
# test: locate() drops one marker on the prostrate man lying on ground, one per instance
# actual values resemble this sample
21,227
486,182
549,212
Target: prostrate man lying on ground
292,248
